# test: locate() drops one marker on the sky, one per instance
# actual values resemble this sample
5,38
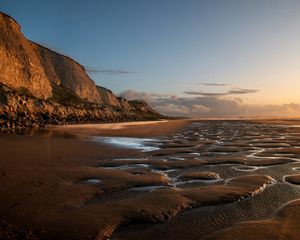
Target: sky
211,58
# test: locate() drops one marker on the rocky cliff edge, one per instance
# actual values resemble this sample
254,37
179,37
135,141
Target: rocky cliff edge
39,87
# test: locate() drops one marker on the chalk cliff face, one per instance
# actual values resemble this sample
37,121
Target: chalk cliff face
20,67
39,85
64,72
107,97
25,64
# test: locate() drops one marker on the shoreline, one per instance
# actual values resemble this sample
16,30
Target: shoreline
126,129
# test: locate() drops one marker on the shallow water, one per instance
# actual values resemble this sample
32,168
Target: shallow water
143,144
91,181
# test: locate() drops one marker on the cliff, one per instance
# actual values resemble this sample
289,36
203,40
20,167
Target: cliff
20,67
107,97
64,72
39,87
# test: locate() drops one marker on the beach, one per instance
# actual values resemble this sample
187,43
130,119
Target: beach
179,179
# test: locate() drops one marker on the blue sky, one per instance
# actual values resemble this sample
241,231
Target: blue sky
171,46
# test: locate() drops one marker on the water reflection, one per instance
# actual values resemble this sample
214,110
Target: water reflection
143,144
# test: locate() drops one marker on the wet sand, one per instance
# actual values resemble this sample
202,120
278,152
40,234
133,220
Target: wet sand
41,177
128,129
169,180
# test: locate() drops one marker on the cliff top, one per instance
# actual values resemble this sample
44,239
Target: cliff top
4,15
57,53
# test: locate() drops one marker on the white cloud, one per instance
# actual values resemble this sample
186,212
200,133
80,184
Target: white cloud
199,108
172,109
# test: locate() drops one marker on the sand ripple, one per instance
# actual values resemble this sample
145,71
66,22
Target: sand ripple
211,163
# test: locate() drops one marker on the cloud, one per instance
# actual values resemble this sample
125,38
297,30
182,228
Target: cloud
207,106
199,108
204,84
134,95
227,107
233,91
205,94
215,84
172,109
241,91
93,70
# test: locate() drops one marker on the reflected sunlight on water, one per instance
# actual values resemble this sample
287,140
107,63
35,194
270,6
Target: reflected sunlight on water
143,144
